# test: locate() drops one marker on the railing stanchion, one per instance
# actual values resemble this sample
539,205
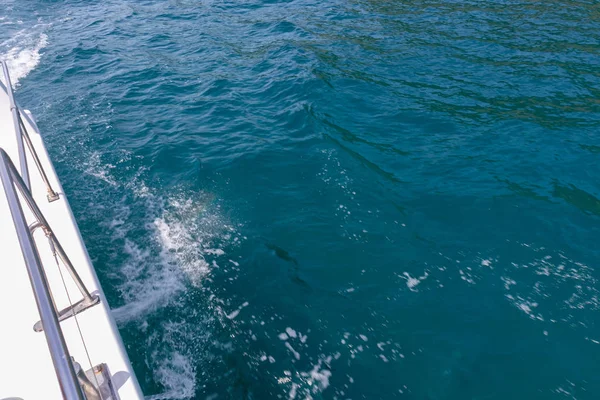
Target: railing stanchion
15,113
22,134
59,352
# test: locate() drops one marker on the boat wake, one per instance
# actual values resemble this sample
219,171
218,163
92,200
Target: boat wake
22,51
162,248
180,234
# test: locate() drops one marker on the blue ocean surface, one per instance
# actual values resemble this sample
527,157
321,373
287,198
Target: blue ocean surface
344,199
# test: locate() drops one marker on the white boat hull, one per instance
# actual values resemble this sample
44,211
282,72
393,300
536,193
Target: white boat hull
26,368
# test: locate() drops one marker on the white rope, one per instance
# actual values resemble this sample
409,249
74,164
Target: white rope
74,315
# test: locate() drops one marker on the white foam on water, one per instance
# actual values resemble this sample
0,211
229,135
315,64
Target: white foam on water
216,252
96,168
413,282
555,271
508,282
293,391
235,313
22,52
294,352
177,375
310,383
178,246
319,376
291,333
149,282
182,231
157,269
161,266
162,242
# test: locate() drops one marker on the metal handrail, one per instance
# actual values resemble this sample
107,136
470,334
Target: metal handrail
22,134
59,352
88,300
15,114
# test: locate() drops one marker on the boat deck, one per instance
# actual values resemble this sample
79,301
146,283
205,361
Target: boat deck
26,369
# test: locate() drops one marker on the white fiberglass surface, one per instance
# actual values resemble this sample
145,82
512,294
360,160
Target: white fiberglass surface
26,369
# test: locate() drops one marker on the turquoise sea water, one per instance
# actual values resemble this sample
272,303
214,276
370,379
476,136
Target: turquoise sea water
348,199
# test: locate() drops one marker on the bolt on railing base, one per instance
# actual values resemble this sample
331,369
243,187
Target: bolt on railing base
68,312
52,196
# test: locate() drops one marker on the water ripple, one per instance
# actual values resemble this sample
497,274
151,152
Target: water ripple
343,199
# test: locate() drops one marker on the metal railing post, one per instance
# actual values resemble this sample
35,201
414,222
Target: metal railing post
51,194
16,118
59,352
18,181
